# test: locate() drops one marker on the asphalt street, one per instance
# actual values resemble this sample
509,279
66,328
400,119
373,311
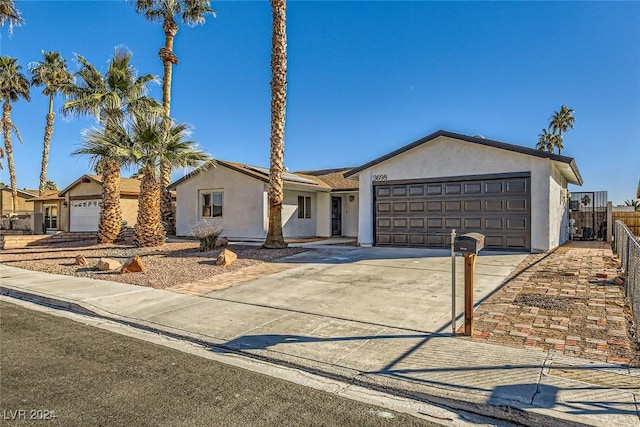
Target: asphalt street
67,373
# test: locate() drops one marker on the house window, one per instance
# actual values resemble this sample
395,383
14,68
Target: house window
211,204
304,207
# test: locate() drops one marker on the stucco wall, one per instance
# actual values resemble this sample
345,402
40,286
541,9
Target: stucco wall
6,202
243,203
558,209
129,210
292,226
323,214
444,157
91,188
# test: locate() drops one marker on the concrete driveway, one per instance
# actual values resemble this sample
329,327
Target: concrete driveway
389,287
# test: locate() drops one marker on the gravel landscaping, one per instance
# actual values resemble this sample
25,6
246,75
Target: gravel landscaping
171,264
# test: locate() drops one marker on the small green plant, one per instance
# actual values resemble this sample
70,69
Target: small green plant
207,233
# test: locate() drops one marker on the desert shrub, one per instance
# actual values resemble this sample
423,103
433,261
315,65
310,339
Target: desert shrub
207,233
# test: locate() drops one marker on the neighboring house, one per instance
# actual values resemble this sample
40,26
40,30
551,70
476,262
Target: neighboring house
50,204
414,196
6,201
316,203
77,207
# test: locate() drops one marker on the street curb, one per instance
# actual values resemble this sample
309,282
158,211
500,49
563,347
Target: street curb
510,411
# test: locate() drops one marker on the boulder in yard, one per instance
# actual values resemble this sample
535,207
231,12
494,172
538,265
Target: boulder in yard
226,257
106,264
220,242
132,265
81,261
620,280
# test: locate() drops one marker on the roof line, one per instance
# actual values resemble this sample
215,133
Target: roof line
477,140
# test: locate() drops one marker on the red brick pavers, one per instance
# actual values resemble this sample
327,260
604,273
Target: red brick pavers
565,301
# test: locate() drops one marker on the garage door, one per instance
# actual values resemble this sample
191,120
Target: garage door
85,215
422,213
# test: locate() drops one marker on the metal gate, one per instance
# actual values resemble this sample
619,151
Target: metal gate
423,212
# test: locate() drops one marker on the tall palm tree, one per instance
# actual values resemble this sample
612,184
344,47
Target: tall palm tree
190,12
275,238
107,151
51,73
561,121
111,98
13,86
546,141
153,146
9,13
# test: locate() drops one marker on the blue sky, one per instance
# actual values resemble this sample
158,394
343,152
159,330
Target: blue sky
364,78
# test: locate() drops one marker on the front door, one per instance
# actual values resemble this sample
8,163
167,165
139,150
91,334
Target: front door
51,217
336,216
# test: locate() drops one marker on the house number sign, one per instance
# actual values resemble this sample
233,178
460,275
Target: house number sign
381,177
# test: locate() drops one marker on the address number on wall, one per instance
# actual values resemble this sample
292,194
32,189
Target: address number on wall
382,177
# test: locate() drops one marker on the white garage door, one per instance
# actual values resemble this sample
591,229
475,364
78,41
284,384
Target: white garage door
85,215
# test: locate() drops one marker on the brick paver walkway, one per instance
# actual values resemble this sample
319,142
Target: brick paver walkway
565,301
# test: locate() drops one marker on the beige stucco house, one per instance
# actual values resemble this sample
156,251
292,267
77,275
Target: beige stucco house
6,201
77,207
516,196
316,203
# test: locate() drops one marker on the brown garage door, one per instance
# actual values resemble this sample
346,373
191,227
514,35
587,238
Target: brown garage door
422,213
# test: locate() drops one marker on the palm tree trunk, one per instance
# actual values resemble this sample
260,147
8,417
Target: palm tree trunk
148,228
111,211
48,131
7,126
168,58
275,238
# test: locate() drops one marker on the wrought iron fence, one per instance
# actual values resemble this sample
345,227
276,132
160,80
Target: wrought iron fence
627,246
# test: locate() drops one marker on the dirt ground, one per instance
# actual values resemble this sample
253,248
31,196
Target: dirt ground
171,264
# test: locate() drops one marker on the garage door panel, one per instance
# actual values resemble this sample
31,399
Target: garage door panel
517,205
416,190
413,214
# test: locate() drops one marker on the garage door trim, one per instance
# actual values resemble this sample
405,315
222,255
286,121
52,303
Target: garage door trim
454,178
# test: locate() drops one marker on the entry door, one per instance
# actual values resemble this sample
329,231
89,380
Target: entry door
51,217
336,216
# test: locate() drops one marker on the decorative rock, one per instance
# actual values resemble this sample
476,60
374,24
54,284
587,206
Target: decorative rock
601,275
620,280
105,264
221,241
226,257
132,265
81,261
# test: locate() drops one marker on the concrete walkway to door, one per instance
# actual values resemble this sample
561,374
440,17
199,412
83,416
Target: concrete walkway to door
371,316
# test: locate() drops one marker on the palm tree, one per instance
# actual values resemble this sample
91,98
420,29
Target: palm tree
634,203
50,185
190,12
9,13
107,151
13,86
561,121
546,141
111,98
152,146
51,73
275,238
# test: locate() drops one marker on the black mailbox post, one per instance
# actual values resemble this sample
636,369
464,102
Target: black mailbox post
468,245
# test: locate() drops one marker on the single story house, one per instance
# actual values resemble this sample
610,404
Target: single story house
6,201
414,196
77,207
316,203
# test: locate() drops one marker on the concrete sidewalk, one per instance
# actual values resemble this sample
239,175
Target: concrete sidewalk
529,387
